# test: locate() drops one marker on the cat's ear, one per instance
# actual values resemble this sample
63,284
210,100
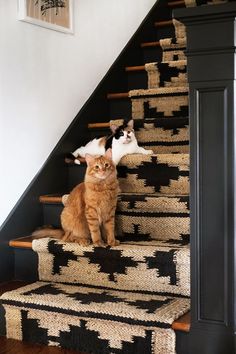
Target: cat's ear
89,159
130,124
108,154
113,128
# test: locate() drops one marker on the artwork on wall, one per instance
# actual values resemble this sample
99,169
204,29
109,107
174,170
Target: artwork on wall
53,14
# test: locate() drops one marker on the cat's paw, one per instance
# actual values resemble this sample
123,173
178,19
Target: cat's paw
113,243
148,152
99,243
64,199
77,161
84,242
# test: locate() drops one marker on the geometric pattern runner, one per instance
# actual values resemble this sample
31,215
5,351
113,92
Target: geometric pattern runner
93,320
153,268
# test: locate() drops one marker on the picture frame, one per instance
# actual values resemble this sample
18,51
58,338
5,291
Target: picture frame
52,14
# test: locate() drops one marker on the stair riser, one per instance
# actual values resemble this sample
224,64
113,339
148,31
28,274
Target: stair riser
75,175
164,174
137,79
24,258
163,32
151,54
162,106
34,333
2,321
120,108
136,225
154,227
155,106
163,139
51,214
150,181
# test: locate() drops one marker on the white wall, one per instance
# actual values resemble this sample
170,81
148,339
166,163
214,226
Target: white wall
46,77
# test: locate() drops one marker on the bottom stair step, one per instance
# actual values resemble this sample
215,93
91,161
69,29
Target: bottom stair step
93,320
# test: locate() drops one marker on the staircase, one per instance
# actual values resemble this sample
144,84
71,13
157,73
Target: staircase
125,299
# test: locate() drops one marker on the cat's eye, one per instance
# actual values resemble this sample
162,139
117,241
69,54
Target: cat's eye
106,165
96,167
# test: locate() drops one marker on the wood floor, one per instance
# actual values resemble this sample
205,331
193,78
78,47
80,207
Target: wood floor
10,346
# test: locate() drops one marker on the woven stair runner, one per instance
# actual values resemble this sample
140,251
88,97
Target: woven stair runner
93,320
155,267
124,299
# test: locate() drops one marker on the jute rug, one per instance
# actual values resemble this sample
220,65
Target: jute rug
166,174
155,267
123,300
93,320
163,135
141,217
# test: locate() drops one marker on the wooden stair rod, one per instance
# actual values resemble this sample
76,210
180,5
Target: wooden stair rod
163,23
178,3
135,68
150,44
117,95
98,125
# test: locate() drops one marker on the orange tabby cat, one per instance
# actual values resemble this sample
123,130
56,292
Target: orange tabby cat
89,213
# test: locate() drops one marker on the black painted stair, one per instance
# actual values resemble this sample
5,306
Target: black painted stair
124,299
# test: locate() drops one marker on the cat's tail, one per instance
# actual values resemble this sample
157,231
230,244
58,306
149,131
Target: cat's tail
71,159
49,232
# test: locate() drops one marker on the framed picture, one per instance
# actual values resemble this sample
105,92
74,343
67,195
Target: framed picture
53,14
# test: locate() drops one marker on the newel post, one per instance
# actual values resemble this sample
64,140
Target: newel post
211,39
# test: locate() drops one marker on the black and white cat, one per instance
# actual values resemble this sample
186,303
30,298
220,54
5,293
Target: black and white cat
122,142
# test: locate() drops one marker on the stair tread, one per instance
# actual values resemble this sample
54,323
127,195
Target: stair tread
26,242
86,307
143,67
158,91
139,158
137,122
131,159
149,92
57,198
22,242
180,324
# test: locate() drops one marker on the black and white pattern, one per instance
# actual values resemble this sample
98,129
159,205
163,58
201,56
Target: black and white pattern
148,217
166,174
156,267
160,102
166,74
91,319
163,135
123,300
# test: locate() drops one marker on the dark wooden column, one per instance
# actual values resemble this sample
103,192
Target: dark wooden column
211,39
